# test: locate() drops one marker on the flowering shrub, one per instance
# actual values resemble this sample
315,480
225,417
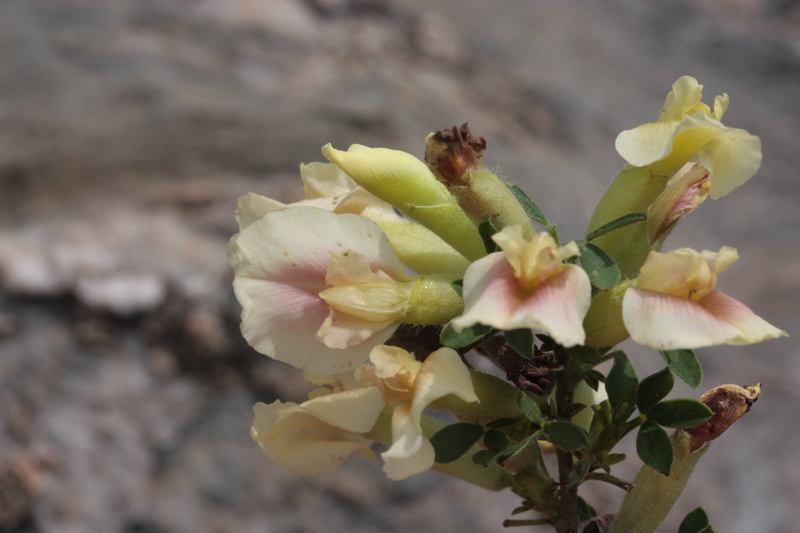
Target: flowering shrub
398,284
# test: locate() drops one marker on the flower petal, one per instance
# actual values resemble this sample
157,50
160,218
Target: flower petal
666,322
410,453
353,410
301,442
732,155
442,373
492,296
281,263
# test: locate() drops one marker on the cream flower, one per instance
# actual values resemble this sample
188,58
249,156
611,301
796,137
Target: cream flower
527,285
283,261
688,130
412,386
315,437
675,304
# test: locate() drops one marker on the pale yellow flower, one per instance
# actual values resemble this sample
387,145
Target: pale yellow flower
412,386
675,304
688,130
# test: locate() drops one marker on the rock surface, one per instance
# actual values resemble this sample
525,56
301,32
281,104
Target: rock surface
128,129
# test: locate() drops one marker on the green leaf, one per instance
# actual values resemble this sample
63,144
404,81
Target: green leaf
680,413
593,378
528,205
483,457
586,354
514,450
530,409
654,447
496,441
468,336
685,365
696,522
621,222
578,472
453,441
621,382
487,229
603,272
565,435
522,341
614,458
653,389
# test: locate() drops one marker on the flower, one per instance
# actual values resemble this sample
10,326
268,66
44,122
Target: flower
687,130
675,304
315,437
283,261
412,386
527,285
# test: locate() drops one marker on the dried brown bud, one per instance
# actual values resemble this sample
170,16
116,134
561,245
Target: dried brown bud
729,403
452,154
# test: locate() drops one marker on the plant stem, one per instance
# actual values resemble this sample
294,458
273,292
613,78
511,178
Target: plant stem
567,521
568,516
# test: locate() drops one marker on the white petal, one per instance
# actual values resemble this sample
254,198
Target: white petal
490,289
667,322
732,155
252,207
353,410
647,143
301,442
325,179
343,332
493,297
410,453
752,328
442,373
281,263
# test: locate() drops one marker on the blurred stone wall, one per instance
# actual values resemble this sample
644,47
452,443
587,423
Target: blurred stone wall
128,129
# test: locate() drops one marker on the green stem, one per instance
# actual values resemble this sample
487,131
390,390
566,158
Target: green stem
654,494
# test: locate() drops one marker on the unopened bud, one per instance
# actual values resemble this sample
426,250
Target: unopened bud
684,192
729,403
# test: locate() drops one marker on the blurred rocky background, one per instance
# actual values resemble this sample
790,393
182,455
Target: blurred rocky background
128,129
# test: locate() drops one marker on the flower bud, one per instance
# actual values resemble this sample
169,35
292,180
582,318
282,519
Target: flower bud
406,182
684,193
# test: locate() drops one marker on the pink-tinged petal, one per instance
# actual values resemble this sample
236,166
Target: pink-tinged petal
558,306
353,410
295,245
752,328
492,296
410,453
490,291
281,263
301,442
442,373
667,322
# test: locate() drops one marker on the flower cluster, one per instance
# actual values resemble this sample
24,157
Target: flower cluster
395,276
